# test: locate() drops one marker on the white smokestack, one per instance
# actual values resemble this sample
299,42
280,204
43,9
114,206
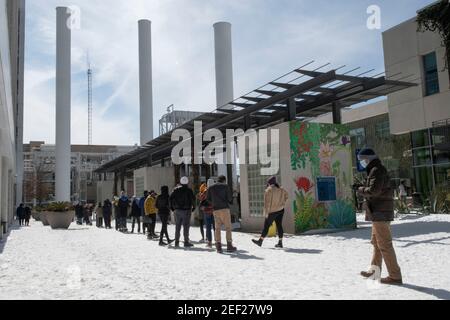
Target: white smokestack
224,63
63,96
145,80
224,78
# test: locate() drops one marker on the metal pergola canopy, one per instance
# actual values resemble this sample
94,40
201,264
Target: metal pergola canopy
309,94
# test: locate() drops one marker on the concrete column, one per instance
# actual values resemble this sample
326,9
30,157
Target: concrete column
145,81
63,104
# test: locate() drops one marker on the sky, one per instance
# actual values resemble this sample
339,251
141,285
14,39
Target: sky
270,38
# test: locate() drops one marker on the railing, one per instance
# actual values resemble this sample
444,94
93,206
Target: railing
441,123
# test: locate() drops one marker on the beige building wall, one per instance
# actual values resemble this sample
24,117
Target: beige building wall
153,179
410,109
356,114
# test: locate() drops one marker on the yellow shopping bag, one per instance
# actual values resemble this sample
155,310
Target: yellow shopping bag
272,231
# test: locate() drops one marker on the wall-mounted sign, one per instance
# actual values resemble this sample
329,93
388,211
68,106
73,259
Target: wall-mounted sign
326,189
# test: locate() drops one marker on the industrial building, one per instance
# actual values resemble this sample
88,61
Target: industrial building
12,35
39,181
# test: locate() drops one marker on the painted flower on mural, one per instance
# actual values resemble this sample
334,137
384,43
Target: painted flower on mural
325,169
326,151
304,184
346,141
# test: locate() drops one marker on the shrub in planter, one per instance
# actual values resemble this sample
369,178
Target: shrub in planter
60,215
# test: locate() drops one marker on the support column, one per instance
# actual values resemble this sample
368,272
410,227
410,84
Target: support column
63,100
291,110
337,112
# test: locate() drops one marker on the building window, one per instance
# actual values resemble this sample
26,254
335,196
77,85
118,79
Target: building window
257,184
358,137
420,139
383,130
431,74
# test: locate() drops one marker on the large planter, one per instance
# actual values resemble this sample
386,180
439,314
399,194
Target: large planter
60,220
43,216
36,216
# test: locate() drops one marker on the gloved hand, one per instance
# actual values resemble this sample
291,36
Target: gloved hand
356,186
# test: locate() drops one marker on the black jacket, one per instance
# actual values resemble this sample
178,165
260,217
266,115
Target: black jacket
107,209
79,211
182,198
123,207
135,210
220,196
20,212
163,204
378,193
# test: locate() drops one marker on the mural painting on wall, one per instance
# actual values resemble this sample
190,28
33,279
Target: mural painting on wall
317,151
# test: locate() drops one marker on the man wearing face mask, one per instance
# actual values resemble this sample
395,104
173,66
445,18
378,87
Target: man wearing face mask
380,211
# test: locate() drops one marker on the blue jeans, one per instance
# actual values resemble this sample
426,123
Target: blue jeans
210,225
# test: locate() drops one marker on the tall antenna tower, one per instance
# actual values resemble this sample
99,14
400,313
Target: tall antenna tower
89,74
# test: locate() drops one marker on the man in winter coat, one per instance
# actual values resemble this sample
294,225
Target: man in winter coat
79,213
20,212
124,203
380,211
107,213
182,202
220,196
150,214
135,214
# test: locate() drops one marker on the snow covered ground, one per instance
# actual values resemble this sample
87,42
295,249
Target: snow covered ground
90,263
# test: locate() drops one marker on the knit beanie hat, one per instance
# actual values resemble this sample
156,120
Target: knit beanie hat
368,154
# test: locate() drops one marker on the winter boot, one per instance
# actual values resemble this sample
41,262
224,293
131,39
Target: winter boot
367,275
279,245
209,245
170,241
258,242
219,248
188,245
230,247
163,244
177,244
391,282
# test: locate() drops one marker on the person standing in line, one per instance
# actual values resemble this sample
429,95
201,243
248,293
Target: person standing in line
403,195
163,206
123,204
379,207
207,210
219,195
201,213
20,213
107,213
150,213
79,213
142,207
135,214
182,202
99,215
116,212
27,216
275,199
87,213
